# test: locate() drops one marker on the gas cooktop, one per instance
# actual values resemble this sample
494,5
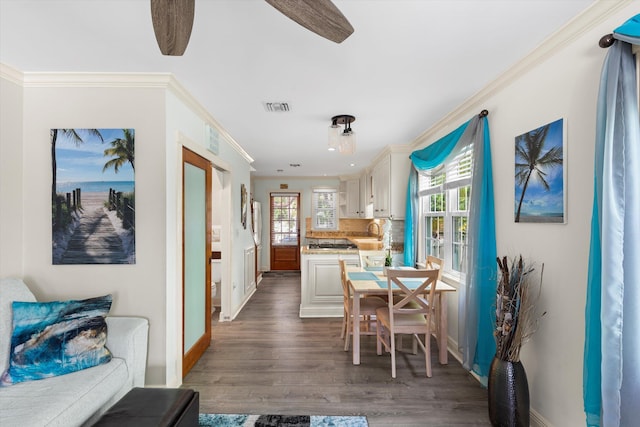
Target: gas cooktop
333,246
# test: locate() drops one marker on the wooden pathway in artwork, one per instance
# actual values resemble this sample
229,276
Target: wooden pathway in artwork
95,240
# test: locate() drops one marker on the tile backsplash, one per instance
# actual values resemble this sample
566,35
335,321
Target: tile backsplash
357,227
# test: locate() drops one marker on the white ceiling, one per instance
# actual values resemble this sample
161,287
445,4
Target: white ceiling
408,63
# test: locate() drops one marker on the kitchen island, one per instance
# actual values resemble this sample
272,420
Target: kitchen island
321,293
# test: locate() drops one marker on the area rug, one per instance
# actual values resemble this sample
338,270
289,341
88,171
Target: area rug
245,420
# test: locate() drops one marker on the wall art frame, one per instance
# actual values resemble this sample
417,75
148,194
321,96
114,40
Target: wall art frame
541,174
93,196
243,206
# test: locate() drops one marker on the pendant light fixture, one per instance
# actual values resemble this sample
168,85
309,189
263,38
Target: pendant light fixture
342,140
334,134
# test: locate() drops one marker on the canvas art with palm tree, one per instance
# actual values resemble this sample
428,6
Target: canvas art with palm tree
539,174
93,196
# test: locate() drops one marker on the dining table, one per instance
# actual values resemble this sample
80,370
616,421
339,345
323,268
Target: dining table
364,281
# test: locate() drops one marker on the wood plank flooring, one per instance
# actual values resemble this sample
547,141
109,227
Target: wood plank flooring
269,361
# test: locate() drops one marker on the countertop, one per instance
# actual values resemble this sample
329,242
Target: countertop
304,250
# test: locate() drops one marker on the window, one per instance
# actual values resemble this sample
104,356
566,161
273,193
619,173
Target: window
324,210
444,210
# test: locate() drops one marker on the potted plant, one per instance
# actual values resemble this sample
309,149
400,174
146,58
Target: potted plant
517,318
387,261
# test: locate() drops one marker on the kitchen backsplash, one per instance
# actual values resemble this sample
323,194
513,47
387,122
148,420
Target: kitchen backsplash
347,227
357,227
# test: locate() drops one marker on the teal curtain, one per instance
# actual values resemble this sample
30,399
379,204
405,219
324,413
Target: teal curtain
476,297
425,159
611,375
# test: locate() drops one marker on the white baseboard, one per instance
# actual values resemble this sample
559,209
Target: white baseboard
538,420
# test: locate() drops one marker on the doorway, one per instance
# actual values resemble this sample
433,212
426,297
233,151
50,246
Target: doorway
196,253
285,231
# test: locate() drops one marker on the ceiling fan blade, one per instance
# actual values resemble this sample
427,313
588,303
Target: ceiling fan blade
172,24
320,16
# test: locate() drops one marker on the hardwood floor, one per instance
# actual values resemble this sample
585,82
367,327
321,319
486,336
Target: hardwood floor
269,361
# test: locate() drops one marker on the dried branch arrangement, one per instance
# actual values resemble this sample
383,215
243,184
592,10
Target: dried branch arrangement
516,312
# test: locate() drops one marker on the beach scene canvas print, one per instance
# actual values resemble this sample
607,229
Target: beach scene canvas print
540,174
93,196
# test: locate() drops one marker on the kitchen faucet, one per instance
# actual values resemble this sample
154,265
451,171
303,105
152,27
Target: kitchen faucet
378,235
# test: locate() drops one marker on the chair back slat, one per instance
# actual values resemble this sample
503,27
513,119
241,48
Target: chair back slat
371,258
346,292
412,299
435,263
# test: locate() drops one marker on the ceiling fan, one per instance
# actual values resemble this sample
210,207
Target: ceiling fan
173,21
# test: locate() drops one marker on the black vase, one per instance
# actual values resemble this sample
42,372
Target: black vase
508,394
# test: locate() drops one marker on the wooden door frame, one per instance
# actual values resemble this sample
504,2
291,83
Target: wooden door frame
190,358
298,194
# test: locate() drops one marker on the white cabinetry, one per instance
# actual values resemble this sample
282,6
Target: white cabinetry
353,198
321,289
389,180
380,177
366,205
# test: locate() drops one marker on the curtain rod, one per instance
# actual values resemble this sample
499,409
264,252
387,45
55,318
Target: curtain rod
482,114
606,41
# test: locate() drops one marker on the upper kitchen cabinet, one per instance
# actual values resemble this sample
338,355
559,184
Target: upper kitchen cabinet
366,196
350,198
389,179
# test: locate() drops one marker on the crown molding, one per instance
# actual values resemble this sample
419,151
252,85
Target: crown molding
165,81
11,74
293,178
595,14
391,149
348,177
96,80
186,97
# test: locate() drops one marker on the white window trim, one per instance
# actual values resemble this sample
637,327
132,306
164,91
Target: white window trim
449,275
335,208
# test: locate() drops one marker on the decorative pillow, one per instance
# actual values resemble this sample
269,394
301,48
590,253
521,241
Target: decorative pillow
10,290
57,338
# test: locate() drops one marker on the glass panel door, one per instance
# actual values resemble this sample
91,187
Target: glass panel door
196,254
285,231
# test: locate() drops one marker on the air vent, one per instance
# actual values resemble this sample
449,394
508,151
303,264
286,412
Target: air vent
276,107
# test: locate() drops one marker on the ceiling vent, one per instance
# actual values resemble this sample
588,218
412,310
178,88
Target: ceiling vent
276,107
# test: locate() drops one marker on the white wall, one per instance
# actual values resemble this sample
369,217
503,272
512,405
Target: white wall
186,126
261,188
11,106
562,84
164,118
137,289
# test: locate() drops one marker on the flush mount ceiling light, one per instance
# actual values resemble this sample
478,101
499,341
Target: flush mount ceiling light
342,140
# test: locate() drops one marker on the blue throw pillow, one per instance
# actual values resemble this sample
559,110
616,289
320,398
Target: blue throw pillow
57,338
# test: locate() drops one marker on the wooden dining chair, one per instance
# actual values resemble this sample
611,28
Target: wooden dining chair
368,307
435,263
372,258
410,314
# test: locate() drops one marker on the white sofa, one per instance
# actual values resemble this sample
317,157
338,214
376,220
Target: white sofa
79,398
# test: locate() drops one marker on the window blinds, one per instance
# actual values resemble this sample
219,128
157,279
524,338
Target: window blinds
325,209
453,174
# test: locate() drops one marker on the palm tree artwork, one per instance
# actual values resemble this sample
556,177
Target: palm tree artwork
75,136
93,209
121,151
539,174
